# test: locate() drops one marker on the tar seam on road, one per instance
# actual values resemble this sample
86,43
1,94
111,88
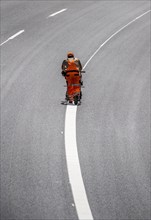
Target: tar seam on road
73,164
57,12
12,37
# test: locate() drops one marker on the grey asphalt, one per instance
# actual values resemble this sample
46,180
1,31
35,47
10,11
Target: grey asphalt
113,122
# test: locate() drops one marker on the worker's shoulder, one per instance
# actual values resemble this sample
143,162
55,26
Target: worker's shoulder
64,61
76,59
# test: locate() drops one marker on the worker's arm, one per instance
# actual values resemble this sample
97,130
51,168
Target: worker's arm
64,67
80,65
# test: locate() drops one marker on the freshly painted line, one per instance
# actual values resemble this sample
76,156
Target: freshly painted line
114,35
73,164
57,12
12,37
74,171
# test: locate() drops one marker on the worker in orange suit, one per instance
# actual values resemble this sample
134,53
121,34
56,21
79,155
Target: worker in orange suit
71,70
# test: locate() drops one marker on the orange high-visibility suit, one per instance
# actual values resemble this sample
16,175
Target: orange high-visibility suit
72,68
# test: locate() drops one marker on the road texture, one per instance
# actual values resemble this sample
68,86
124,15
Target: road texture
113,122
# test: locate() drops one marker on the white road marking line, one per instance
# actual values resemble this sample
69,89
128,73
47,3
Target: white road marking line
113,36
73,164
12,37
74,171
15,35
57,12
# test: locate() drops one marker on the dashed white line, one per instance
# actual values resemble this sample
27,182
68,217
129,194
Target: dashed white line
15,35
57,12
4,42
73,164
12,37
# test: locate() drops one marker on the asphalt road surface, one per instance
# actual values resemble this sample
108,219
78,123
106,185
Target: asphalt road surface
113,122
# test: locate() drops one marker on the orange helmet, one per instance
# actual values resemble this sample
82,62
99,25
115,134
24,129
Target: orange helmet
70,54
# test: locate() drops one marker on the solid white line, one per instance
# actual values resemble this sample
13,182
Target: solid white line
74,171
12,37
57,12
113,36
73,164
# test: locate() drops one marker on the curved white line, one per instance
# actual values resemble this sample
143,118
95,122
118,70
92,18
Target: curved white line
113,36
73,164
74,171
